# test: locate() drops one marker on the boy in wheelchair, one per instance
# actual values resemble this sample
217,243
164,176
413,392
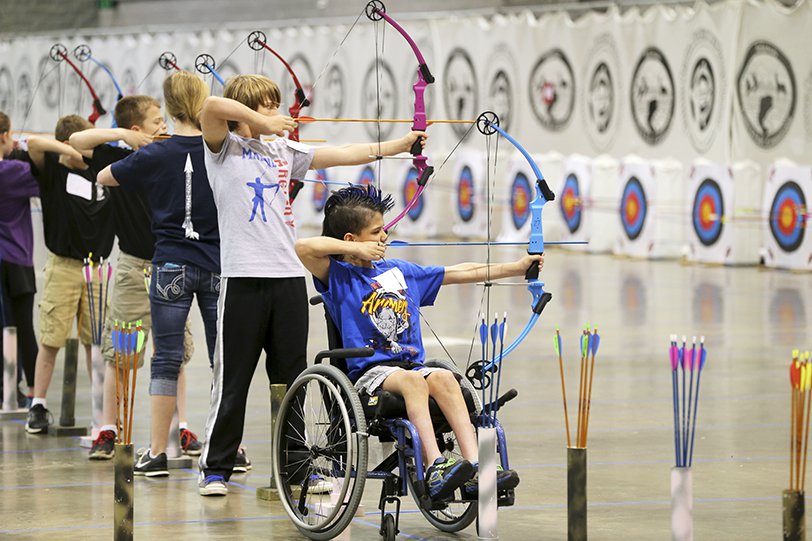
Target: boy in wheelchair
375,303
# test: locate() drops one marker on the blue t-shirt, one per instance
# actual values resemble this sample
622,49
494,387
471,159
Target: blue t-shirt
171,174
378,307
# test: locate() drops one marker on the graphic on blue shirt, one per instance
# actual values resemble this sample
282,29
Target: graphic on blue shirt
259,200
388,309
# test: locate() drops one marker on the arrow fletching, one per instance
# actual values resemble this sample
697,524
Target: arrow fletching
557,342
596,341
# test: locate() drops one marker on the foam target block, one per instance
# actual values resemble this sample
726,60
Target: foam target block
469,203
420,220
572,200
517,193
650,211
722,213
602,203
786,207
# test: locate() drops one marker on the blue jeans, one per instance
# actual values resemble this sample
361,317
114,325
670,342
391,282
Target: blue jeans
170,294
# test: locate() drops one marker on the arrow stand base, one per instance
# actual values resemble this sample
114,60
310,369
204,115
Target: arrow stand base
576,494
794,515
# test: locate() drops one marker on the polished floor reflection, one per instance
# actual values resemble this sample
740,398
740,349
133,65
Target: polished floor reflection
751,319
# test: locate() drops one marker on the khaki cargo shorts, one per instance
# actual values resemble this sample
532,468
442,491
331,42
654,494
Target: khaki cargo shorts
129,303
64,299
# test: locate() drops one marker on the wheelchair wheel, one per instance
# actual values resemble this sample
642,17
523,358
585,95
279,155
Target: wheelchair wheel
457,515
320,441
388,530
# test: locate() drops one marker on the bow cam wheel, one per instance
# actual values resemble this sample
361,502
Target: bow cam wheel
82,52
58,52
204,63
486,121
374,10
256,39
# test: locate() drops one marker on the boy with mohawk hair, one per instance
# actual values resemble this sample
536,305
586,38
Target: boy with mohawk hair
263,296
376,303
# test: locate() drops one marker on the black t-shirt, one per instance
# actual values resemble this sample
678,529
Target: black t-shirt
76,212
131,214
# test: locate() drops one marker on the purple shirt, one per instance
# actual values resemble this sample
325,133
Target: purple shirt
17,187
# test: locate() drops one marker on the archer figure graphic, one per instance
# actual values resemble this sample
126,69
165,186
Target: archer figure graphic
259,200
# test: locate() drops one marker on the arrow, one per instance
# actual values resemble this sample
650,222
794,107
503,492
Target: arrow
403,243
310,119
188,228
558,351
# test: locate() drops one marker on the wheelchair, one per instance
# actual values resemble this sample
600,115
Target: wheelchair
323,430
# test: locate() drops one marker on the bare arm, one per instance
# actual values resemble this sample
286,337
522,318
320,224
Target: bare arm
315,253
38,146
218,111
468,273
86,140
358,154
106,178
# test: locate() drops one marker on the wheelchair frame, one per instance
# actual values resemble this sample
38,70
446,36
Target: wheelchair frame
344,446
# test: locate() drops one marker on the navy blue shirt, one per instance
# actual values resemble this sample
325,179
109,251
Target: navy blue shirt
378,307
165,172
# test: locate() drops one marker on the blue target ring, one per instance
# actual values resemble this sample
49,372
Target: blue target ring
570,203
787,220
410,187
465,194
633,208
320,191
367,176
708,210
520,196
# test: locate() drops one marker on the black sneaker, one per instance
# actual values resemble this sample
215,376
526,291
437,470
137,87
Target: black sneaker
189,443
241,462
104,446
505,479
150,467
446,475
38,420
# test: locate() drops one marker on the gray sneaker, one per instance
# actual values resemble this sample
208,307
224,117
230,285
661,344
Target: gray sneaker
212,485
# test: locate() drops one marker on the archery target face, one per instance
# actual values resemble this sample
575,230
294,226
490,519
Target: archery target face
633,208
409,189
320,191
708,211
787,221
520,197
570,203
465,194
367,176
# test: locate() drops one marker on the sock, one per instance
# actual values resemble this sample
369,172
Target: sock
111,428
151,456
39,401
183,426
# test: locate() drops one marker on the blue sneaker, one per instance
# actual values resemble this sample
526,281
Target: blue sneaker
212,485
446,475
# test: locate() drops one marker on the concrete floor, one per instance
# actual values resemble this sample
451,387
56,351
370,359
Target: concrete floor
751,318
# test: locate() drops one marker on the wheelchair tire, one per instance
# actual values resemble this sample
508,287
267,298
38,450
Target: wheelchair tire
320,431
388,530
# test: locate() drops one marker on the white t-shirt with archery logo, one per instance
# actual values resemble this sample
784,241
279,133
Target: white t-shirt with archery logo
250,179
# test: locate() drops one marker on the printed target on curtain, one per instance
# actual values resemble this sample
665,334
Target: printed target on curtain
710,196
601,93
469,199
552,90
786,197
652,96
